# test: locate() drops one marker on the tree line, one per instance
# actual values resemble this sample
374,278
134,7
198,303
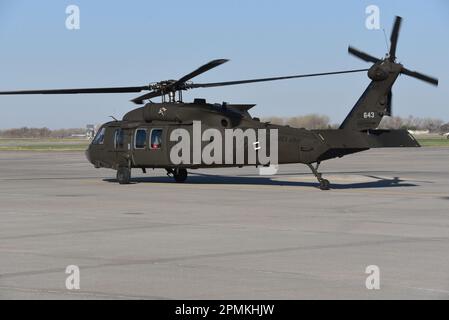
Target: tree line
40,133
309,121
317,121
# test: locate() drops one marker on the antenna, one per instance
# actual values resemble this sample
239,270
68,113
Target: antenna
386,40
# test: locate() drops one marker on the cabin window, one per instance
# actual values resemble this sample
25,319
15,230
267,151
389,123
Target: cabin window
156,139
119,139
140,141
99,138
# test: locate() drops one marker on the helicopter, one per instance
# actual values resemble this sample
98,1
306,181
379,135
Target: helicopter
146,136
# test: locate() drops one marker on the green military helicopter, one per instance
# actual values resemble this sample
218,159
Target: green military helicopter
146,137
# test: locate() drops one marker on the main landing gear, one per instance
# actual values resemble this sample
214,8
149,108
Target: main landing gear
123,175
324,184
179,174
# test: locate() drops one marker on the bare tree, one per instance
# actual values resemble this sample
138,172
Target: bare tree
411,123
39,133
310,121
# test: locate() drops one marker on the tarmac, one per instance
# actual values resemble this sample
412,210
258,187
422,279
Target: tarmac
226,233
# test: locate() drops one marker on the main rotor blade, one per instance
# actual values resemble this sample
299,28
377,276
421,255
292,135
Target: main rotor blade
180,84
147,96
76,91
420,76
231,83
362,55
394,37
210,65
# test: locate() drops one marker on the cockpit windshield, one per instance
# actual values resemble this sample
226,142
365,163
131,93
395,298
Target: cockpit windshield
99,138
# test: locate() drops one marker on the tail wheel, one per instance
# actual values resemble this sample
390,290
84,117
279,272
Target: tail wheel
324,184
123,175
180,175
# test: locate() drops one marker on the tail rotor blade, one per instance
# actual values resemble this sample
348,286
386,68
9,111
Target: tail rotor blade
362,55
420,76
394,37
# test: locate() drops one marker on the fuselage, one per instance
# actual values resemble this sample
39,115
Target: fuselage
144,138
196,135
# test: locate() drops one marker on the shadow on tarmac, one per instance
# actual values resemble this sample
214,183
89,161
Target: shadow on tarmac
201,178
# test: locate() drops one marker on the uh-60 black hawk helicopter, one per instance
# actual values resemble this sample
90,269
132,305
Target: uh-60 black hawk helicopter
142,138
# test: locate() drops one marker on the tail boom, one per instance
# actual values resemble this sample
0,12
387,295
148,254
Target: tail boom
343,142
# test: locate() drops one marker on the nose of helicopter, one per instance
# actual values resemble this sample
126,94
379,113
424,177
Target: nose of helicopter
87,153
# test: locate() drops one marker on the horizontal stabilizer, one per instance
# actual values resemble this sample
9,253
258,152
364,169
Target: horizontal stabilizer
391,139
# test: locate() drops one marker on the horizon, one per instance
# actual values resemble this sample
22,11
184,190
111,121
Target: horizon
408,121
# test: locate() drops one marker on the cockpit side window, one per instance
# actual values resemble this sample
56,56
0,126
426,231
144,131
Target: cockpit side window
156,139
140,141
119,139
99,138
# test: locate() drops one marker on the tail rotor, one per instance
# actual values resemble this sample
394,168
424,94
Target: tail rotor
382,67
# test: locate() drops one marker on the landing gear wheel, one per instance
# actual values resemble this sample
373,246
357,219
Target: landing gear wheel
123,175
324,184
180,175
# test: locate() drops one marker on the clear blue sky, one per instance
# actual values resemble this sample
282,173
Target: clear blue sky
123,43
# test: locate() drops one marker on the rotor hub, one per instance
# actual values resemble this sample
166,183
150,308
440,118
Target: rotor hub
378,72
